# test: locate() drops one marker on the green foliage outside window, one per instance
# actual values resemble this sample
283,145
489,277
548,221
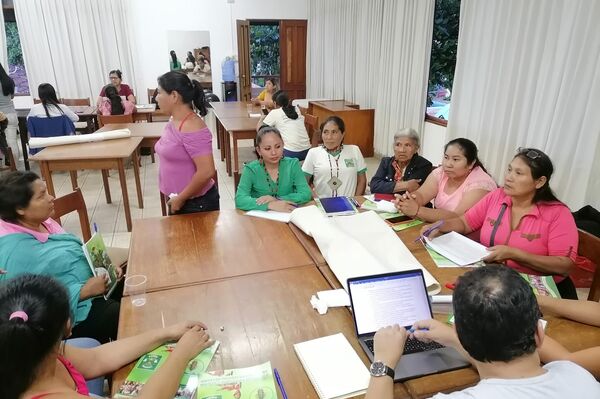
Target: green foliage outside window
15,54
264,51
445,41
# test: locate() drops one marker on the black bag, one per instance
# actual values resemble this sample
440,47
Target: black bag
588,219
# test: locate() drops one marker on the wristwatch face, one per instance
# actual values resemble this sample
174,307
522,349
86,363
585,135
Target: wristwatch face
378,369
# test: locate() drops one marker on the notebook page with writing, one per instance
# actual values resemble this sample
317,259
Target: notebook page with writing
333,367
458,248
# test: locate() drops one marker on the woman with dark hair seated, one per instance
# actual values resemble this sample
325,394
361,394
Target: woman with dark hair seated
272,182
49,105
187,167
32,242
454,187
290,123
36,363
523,224
113,104
123,90
406,170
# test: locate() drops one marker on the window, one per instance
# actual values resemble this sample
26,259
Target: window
443,60
264,53
16,65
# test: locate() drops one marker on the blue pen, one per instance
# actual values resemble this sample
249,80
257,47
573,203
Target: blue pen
428,231
281,388
95,228
412,329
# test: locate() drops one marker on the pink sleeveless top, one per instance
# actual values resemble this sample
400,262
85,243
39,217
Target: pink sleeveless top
477,180
77,377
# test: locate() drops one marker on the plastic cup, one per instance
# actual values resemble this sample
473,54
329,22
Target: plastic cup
249,108
135,286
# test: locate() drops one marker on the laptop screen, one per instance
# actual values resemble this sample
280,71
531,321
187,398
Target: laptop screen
380,301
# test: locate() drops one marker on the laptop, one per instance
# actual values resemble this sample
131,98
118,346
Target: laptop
399,298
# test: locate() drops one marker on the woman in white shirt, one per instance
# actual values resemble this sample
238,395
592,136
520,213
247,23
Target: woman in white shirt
290,123
335,168
49,105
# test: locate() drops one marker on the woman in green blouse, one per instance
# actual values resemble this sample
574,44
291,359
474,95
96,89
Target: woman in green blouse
272,182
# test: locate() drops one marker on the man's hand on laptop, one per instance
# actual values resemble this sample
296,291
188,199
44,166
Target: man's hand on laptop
433,330
389,344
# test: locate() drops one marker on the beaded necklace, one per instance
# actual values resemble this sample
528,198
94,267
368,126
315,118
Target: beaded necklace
273,189
334,182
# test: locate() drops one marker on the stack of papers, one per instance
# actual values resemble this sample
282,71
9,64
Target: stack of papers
459,249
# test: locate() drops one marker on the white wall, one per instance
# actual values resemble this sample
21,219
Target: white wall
183,41
152,19
434,139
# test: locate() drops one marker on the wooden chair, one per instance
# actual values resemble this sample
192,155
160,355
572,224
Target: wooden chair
11,160
311,123
74,202
75,101
589,246
106,119
164,199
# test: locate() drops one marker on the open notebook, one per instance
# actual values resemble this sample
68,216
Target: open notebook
333,367
359,245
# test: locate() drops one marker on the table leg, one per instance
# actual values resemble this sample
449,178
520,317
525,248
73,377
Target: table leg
227,152
136,175
163,205
73,174
24,136
218,134
123,181
106,185
236,166
47,175
221,132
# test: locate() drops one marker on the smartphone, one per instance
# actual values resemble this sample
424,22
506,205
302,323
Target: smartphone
265,111
398,219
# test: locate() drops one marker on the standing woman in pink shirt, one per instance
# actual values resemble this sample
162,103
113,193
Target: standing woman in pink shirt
186,164
523,224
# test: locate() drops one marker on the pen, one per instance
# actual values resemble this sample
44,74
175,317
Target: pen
95,228
428,231
355,202
281,388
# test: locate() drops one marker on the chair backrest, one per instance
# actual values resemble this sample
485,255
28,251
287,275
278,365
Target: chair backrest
49,127
106,119
73,202
75,101
589,246
150,95
311,123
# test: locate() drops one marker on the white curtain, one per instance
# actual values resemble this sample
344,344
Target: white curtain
528,75
374,53
3,43
73,44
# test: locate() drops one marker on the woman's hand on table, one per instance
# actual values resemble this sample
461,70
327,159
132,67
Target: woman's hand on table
430,234
176,331
500,253
282,206
193,341
265,199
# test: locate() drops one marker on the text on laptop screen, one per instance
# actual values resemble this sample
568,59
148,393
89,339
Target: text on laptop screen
383,301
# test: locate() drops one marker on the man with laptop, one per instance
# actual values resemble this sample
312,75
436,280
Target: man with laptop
498,327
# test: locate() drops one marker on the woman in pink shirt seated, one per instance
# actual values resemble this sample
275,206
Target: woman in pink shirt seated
113,104
523,224
186,168
454,187
124,90
34,321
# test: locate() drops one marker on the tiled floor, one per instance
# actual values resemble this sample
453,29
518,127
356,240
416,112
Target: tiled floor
110,218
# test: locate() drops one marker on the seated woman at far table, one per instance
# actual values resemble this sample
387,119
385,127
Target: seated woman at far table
454,187
49,105
273,182
406,170
523,224
113,104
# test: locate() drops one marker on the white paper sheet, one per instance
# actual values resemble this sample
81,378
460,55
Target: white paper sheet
459,249
271,215
334,298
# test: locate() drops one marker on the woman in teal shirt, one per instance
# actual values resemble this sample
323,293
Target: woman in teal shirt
272,182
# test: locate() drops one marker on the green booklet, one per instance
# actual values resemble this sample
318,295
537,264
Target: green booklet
99,261
150,362
251,382
542,285
441,261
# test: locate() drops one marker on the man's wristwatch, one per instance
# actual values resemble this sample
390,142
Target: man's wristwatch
379,369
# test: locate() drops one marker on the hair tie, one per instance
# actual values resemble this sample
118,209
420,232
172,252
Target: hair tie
19,314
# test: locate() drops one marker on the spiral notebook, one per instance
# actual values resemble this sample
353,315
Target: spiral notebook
333,367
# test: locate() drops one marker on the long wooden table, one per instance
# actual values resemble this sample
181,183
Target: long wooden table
149,132
263,307
183,250
100,155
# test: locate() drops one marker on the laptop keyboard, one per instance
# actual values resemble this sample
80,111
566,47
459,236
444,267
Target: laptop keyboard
411,346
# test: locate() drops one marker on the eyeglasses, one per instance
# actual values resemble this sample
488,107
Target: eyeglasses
529,153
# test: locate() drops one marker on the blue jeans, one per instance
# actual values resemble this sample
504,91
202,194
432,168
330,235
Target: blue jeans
300,155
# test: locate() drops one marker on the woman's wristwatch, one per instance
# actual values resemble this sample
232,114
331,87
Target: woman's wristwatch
379,369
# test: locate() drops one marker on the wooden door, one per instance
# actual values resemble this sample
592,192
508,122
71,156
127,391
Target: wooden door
243,42
292,50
